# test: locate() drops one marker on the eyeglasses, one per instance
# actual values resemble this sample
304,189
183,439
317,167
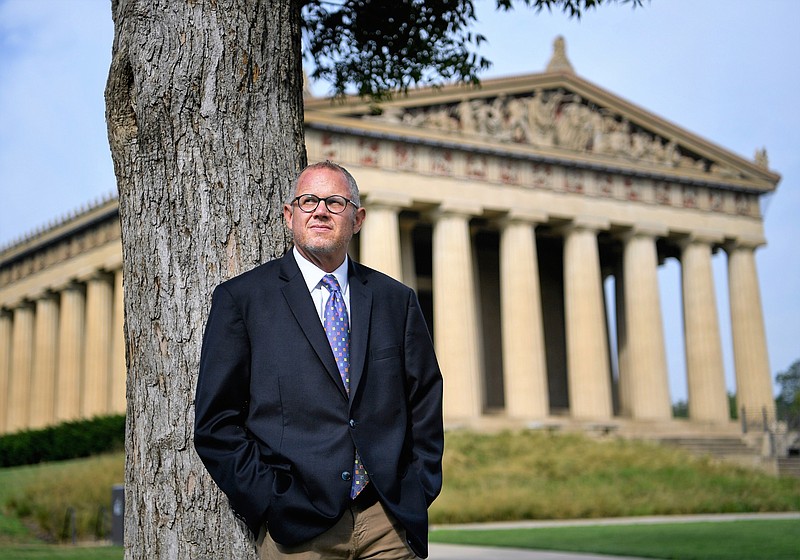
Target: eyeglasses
335,204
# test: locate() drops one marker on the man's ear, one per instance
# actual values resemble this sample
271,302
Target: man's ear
358,219
287,215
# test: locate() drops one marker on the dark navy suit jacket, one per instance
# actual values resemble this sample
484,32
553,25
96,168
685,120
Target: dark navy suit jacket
274,425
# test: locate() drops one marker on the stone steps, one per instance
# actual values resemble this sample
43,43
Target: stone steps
731,449
719,446
789,466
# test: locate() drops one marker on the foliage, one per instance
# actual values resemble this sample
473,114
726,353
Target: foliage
787,403
539,475
680,409
733,410
46,494
69,440
377,49
508,476
774,539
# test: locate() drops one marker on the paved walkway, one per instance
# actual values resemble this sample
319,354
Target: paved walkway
459,552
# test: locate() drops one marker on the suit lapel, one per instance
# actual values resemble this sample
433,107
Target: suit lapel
296,293
361,312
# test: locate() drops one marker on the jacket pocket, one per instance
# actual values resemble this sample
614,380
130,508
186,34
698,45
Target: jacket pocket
385,353
282,482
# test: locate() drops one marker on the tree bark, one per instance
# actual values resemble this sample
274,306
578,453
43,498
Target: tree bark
205,122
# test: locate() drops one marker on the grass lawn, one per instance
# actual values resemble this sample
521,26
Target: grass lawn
536,475
501,477
60,552
728,540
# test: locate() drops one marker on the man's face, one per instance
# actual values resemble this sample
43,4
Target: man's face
321,236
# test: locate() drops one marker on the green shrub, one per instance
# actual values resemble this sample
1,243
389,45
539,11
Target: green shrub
52,492
507,476
538,475
69,440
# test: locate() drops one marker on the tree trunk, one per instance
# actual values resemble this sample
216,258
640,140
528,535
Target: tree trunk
205,122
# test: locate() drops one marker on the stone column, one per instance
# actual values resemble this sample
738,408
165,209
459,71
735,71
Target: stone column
708,400
753,380
589,377
19,386
70,352
43,384
118,368
623,381
455,314
380,234
524,367
407,255
647,383
97,364
6,329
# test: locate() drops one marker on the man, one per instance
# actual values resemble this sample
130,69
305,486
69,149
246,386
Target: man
315,369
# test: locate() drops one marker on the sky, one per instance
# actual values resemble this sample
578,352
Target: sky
725,70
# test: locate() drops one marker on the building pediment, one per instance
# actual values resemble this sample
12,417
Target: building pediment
555,114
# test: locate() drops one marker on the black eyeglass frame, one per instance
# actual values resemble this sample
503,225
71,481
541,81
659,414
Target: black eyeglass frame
325,200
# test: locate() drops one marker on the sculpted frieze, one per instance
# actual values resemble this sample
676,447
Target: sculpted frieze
462,164
405,157
509,172
369,151
542,176
49,255
331,147
553,119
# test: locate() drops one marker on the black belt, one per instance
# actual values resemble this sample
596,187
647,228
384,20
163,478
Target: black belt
367,497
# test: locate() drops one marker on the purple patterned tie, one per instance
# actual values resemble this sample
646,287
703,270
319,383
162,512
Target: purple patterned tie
337,327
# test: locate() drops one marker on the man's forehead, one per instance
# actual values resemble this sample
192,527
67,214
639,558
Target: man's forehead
322,177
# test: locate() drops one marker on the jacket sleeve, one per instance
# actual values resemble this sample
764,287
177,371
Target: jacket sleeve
230,453
424,401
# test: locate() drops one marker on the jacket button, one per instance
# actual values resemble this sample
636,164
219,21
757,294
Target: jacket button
346,475
352,423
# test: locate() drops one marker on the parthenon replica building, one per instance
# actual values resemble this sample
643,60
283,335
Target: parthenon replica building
505,207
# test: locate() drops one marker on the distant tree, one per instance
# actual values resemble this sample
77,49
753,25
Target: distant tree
205,122
680,409
733,411
378,48
787,404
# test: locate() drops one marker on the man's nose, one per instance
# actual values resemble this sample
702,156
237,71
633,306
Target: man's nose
321,210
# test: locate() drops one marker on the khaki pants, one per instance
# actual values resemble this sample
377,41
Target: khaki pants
366,530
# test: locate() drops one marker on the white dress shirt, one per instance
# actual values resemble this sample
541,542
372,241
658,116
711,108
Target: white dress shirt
312,274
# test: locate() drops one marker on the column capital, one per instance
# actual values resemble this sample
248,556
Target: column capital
464,208
700,237
388,199
47,294
71,285
751,242
644,229
24,304
586,222
524,215
97,274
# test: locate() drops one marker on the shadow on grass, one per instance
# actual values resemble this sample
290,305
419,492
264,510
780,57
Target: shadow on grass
60,552
727,540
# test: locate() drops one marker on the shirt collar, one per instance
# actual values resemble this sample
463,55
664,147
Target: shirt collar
312,274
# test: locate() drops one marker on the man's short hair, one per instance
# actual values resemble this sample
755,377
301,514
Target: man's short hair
352,186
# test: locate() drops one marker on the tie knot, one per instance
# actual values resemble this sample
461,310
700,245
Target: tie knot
330,282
